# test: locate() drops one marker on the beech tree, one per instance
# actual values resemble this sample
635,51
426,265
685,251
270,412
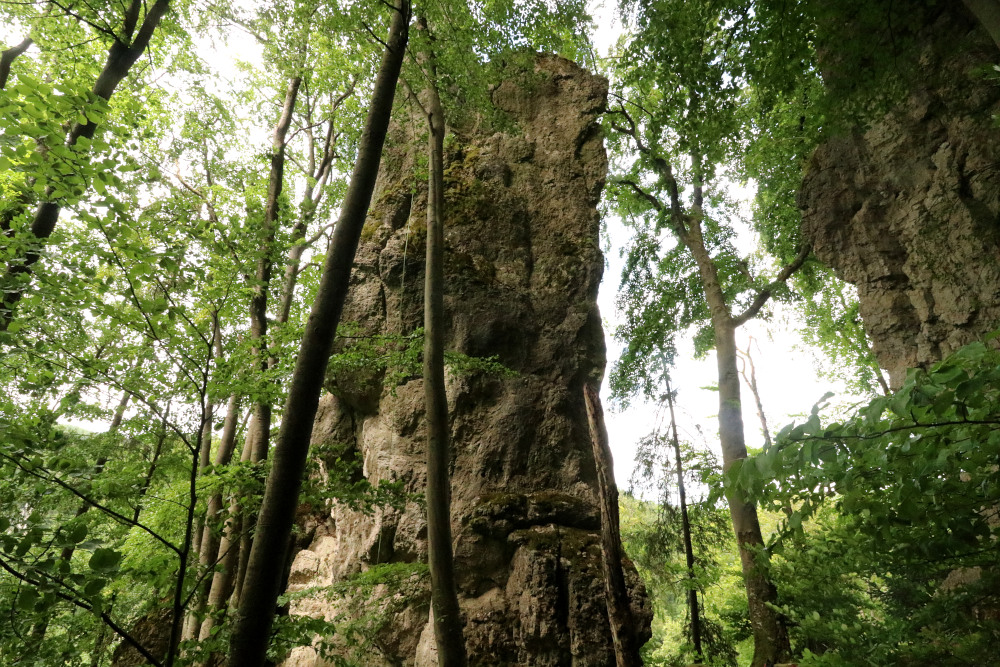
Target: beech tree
680,116
448,633
128,34
249,642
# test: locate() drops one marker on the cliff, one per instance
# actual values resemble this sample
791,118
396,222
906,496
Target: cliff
522,270
908,210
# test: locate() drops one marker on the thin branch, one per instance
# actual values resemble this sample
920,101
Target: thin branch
905,427
765,294
104,30
373,35
319,234
120,631
122,519
653,201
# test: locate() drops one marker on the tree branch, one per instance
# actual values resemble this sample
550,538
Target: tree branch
131,19
765,294
8,56
85,605
122,519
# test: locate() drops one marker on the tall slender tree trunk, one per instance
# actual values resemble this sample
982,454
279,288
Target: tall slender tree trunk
769,633
440,557
227,558
693,608
208,548
770,636
620,616
259,433
251,633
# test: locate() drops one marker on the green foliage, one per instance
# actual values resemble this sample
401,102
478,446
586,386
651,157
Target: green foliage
392,359
143,288
690,101
902,498
831,325
653,538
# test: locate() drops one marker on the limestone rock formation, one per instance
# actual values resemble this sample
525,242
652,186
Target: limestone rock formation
522,269
909,211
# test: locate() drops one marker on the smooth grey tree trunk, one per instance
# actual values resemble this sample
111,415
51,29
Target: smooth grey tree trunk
448,634
252,629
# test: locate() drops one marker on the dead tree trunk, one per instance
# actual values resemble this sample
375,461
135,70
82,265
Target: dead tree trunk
619,605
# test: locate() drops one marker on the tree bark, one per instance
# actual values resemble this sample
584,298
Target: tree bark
8,56
623,635
988,14
251,633
261,287
227,558
440,557
208,551
259,433
770,636
121,58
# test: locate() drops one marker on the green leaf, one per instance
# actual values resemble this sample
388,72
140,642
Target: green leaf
943,402
78,533
94,586
27,599
105,561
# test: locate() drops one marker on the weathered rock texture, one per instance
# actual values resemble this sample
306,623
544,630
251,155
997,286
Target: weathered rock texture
908,210
522,269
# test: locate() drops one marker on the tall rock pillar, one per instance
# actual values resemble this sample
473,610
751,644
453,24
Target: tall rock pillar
523,264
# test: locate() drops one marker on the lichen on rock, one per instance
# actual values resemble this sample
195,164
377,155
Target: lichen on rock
522,271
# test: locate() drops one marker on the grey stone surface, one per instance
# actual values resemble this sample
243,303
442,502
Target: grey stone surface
909,210
522,269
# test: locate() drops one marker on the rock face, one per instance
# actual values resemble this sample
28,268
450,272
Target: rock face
522,269
909,211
